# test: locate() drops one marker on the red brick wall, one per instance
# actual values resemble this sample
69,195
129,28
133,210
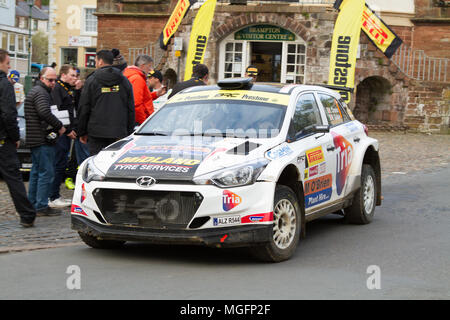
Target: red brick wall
434,39
124,32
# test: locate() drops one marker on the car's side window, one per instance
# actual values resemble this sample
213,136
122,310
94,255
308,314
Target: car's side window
306,112
334,114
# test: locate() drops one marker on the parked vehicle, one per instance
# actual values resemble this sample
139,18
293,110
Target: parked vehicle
235,164
24,152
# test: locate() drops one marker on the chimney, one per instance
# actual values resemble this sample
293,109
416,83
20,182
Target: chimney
38,3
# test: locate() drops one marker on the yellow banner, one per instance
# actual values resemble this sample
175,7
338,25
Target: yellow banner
255,96
199,36
345,46
379,33
174,21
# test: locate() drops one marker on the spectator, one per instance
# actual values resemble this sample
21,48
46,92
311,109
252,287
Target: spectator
63,98
106,111
9,142
119,61
39,121
200,77
155,81
143,98
251,72
14,75
81,149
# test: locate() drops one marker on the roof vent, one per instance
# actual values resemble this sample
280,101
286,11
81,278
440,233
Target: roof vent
235,83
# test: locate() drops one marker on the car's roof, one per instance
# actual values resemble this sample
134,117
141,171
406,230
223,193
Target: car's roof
267,87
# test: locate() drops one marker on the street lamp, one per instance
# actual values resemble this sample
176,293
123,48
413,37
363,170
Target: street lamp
28,78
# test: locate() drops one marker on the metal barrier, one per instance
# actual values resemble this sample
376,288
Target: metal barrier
418,66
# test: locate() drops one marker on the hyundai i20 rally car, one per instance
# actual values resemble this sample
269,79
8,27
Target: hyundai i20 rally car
234,164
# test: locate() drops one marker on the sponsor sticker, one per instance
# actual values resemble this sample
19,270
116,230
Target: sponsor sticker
261,217
313,171
230,200
315,156
279,152
318,190
344,157
230,220
77,210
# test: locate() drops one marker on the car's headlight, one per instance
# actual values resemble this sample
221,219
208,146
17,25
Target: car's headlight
236,176
91,172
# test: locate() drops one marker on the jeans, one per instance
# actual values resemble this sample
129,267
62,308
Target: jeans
81,151
62,148
41,176
9,171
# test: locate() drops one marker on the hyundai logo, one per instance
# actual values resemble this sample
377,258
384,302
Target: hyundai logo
145,181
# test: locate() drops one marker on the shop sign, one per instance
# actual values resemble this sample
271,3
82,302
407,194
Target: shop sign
264,33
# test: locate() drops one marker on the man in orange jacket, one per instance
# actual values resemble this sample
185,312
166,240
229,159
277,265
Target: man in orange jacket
143,98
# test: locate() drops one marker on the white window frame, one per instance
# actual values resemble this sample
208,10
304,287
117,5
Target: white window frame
246,55
284,61
83,31
4,3
61,57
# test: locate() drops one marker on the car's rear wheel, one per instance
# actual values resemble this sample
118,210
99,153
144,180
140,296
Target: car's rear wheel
364,201
286,227
96,243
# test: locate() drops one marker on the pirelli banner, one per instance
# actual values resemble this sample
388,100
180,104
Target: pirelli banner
199,36
344,46
379,33
174,22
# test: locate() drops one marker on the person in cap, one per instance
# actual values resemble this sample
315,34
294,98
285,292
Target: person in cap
251,72
155,82
119,61
200,77
14,77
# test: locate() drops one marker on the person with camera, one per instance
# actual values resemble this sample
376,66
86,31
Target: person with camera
42,131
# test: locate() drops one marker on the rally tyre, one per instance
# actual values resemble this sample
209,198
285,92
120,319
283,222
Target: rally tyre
363,206
286,228
96,243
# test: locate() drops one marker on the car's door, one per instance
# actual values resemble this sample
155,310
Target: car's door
347,135
314,161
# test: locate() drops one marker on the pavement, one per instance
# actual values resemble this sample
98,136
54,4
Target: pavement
401,154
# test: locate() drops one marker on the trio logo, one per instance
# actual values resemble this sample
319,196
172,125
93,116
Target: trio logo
344,157
230,200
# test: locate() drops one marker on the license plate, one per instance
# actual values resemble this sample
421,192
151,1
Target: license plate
230,220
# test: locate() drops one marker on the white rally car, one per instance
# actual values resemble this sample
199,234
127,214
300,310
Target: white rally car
235,164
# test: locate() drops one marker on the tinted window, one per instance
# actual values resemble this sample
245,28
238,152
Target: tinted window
334,114
306,113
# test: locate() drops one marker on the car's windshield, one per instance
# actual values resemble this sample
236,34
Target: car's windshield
230,118
21,111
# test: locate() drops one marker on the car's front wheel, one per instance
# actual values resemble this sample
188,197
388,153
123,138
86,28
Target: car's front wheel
96,243
286,227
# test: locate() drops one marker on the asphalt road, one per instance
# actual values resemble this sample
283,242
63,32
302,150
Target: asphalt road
409,241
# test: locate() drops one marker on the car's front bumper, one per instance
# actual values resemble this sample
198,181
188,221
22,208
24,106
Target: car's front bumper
237,236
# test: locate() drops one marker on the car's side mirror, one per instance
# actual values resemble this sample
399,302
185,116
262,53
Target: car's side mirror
312,129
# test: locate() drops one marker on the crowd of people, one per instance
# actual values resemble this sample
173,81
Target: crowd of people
65,114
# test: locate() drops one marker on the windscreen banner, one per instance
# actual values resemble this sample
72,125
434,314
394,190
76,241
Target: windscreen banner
344,46
174,22
199,36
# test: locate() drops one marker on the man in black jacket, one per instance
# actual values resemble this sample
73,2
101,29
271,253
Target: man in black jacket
9,141
106,111
63,97
42,129
200,77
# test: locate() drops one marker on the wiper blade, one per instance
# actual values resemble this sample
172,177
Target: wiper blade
151,134
203,134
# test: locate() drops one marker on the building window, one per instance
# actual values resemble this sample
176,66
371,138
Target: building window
233,59
90,20
69,56
295,64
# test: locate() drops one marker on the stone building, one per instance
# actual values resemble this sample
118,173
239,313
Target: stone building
290,42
